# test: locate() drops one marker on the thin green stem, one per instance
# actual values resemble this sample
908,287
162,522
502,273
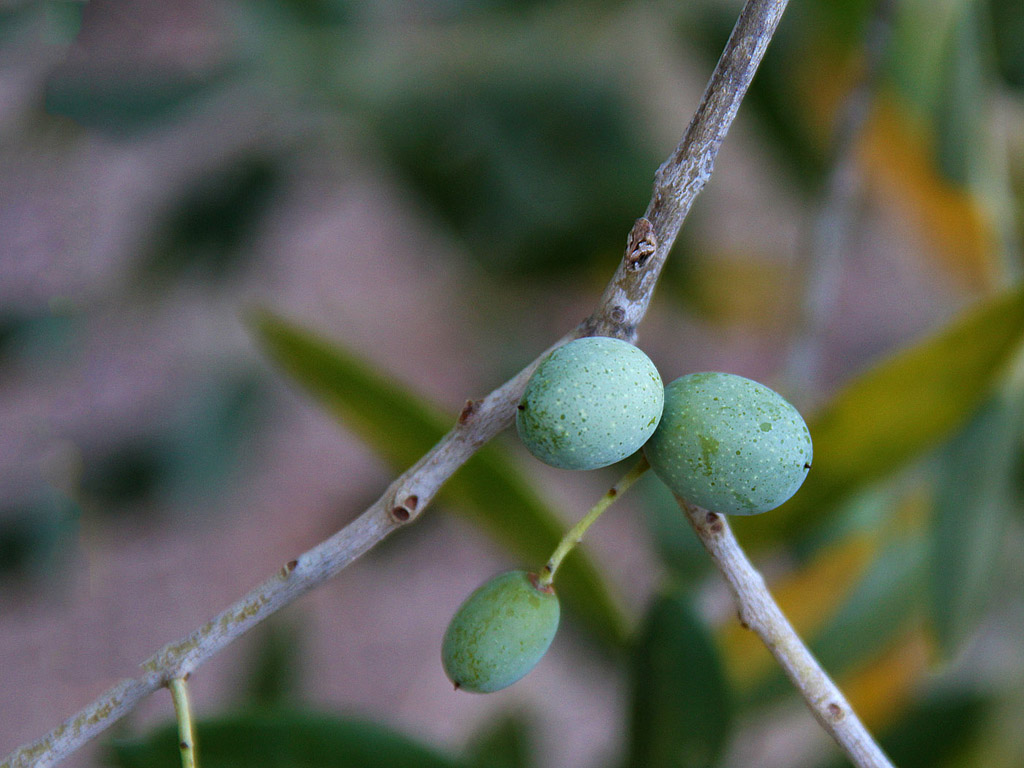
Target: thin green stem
186,733
575,534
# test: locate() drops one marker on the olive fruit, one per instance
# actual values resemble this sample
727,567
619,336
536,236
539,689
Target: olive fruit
729,444
500,632
591,403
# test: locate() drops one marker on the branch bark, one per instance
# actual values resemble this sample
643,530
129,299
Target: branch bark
760,613
621,308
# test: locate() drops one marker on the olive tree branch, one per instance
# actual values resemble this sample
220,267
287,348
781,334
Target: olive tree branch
760,613
621,308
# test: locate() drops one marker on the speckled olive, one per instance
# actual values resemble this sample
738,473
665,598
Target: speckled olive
591,403
729,444
500,632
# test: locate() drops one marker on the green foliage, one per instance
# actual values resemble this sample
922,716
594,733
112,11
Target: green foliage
185,460
972,509
504,743
401,428
678,548
125,105
893,413
36,534
681,705
273,676
208,230
536,169
1007,19
283,739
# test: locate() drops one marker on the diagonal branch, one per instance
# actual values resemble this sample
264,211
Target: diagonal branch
621,308
759,612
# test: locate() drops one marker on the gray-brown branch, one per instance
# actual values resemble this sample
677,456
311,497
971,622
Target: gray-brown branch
621,308
761,614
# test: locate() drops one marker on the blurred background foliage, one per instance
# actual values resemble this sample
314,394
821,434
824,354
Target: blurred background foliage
524,136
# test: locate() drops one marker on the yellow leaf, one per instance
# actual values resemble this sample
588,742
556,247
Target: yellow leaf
898,158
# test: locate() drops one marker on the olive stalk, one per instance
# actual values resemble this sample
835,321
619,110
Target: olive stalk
575,534
183,712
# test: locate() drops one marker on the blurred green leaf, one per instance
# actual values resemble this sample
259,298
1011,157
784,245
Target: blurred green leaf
273,675
208,231
186,460
504,743
973,504
921,40
681,702
401,428
127,104
63,20
1007,17
38,336
960,113
35,534
282,739
670,535
535,170
896,411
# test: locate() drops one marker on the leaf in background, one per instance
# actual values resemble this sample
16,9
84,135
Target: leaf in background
282,739
899,157
401,428
505,743
681,703
36,534
1008,30
896,411
207,233
273,674
973,504
185,460
680,549
533,169
127,104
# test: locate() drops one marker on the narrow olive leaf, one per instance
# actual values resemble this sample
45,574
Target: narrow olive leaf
503,743
896,411
675,542
681,705
281,738
973,505
401,427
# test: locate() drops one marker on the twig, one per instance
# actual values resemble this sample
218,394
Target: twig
183,711
621,308
759,612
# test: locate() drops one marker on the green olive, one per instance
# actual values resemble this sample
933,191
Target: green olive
500,632
591,403
729,444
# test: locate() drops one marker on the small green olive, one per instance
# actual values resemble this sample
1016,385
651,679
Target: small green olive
591,403
500,632
729,444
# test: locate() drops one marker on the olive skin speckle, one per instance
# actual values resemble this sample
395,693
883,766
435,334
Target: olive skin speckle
729,444
591,403
499,633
